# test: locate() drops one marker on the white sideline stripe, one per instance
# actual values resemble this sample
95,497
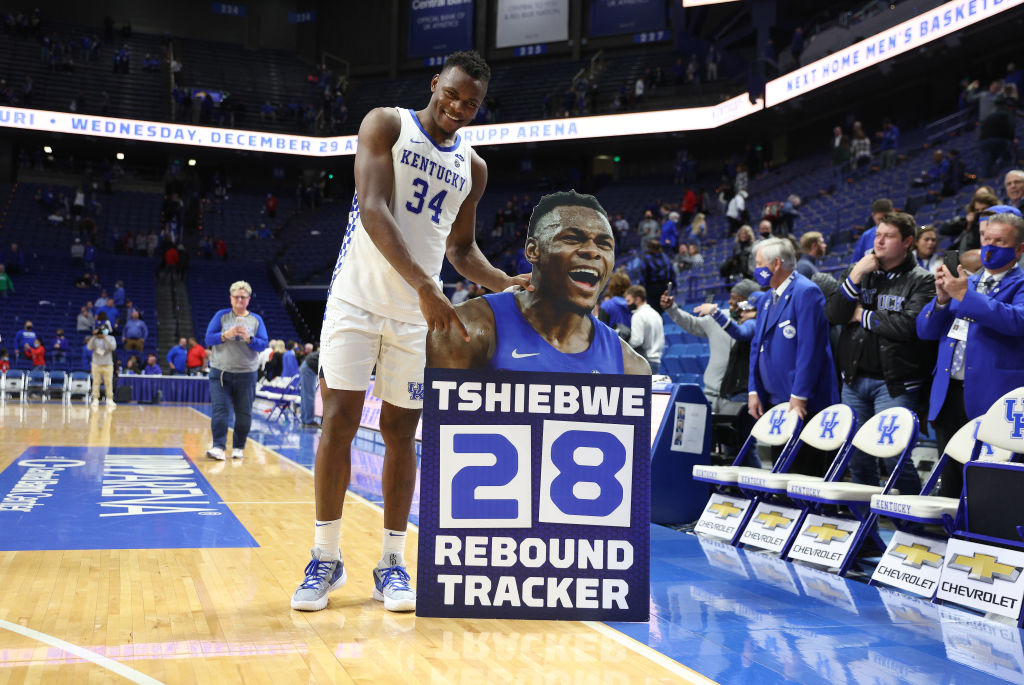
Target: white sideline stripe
98,659
686,673
653,655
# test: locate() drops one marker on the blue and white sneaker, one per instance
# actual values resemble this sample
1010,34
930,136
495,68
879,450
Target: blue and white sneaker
321,578
391,586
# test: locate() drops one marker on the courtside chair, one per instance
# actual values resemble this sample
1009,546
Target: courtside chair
80,383
932,509
831,430
37,381
889,433
58,382
777,427
11,383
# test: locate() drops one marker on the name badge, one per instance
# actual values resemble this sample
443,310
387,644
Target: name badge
784,323
959,330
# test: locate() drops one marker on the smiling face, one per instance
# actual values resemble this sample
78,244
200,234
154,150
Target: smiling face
456,98
573,253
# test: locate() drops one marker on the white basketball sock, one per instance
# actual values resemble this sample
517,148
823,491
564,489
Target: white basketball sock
392,548
327,539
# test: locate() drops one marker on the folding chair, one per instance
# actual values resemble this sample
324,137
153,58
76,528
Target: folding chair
283,392
59,383
726,514
890,433
831,430
36,381
12,382
80,383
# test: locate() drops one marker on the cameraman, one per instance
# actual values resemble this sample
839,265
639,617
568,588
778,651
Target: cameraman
102,344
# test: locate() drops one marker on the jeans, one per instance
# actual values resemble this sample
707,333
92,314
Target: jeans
867,397
307,390
231,391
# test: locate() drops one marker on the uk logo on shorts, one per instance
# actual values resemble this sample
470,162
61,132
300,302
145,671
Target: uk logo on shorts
415,391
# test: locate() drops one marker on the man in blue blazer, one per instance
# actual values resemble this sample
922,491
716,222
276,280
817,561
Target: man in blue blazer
790,356
979,321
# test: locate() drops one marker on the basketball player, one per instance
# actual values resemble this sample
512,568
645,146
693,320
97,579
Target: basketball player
417,187
551,328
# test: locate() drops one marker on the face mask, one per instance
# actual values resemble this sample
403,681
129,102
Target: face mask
763,276
993,257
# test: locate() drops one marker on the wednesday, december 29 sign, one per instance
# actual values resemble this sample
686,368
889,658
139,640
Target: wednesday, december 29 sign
535,496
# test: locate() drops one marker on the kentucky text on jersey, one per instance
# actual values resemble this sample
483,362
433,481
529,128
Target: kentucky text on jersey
540,398
432,168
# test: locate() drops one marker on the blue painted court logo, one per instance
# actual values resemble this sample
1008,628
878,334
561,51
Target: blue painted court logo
415,391
62,498
1015,418
828,425
886,433
776,419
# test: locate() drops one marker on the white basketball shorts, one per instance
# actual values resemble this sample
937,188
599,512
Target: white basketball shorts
354,340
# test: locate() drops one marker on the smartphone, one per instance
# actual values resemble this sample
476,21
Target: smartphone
709,298
952,260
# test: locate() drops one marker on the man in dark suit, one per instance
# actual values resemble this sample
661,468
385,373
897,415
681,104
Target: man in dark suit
979,321
790,356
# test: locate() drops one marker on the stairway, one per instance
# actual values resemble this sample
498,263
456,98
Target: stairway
175,316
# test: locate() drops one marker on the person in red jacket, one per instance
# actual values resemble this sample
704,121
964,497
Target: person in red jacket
38,354
195,360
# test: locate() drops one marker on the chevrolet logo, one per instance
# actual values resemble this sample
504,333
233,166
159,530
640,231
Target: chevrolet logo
824,590
912,615
724,510
984,567
984,653
826,533
916,554
773,519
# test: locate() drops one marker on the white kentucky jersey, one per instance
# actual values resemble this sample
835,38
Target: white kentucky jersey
431,183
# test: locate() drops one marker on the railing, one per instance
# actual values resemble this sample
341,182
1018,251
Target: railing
949,125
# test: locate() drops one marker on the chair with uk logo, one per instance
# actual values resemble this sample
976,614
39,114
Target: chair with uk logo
834,541
984,558
727,510
775,518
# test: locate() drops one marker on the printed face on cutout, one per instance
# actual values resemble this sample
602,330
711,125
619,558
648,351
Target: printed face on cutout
573,252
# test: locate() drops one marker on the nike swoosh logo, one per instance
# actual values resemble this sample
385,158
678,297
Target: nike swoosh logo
321,525
396,535
517,355
415,142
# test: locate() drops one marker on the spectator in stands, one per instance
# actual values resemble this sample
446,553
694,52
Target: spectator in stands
621,227
1014,185
307,389
790,212
812,249
5,361
460,294
649,228
77,251
860,148
275,363
657,270
113,315
764,232
738,265
89,256
23,340
85,321
882,361
220,248
698,228
646,333
102,345
37,353
889,140
742,180
195,361
118,296
177,357
840,149
964,230
925,249
977,320
711,64
235,338
614,310
60,347
866,242
133,366
936,172
986,99
996,135
271,206
289,362
670,233
736,212
14,260
6,284
790,358
134,333
101,301
152,368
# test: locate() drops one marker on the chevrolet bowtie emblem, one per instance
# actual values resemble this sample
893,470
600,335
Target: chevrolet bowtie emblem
984,567
826,533
773,519
724,510
916,554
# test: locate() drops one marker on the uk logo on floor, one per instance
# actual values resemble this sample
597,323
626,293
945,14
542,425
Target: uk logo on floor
62,498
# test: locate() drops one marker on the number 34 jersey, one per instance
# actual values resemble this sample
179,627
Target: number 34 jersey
431,182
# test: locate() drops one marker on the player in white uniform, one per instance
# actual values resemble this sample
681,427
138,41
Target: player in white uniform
417,187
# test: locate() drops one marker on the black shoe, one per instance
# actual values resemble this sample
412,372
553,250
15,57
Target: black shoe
311,425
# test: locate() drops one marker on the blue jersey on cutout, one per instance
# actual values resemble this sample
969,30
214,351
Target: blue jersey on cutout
521,348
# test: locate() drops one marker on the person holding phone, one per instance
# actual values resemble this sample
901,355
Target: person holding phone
882,361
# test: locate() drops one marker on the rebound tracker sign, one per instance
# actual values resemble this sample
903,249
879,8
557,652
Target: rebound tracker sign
61,498
535,496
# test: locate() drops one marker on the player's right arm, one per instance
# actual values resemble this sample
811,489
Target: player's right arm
446,349
375,183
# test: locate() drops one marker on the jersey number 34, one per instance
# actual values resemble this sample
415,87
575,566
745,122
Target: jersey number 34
419,196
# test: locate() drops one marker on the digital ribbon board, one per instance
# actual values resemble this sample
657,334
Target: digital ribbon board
535,496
